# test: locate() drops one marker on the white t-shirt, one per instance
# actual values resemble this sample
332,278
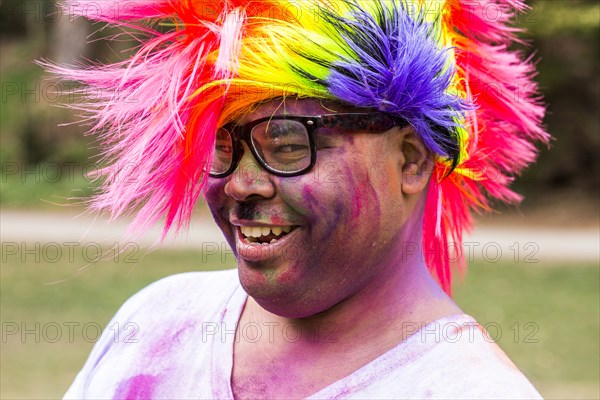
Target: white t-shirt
174,340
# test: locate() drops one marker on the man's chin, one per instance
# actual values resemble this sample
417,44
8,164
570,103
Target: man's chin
285,306
283,299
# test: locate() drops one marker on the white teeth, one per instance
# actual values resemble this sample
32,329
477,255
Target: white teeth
257,231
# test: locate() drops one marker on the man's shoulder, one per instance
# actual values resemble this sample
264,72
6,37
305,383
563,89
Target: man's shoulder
449,358
184,291
463,360
169,303
167,314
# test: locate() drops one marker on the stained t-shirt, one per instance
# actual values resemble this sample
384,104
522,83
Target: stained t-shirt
174,340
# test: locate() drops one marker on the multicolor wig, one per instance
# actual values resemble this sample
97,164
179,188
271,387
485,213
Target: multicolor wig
445,66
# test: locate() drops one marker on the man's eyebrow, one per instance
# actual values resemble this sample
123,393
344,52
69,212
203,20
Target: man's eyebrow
327,136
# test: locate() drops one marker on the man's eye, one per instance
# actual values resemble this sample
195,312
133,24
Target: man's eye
223,149
325,143
291,148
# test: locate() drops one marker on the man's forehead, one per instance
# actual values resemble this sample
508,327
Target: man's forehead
293,106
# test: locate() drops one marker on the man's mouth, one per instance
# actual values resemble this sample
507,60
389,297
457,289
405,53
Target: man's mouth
264,234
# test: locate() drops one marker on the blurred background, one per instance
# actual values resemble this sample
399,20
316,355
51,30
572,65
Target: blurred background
543,301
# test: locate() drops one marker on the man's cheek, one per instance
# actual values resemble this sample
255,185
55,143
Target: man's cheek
298,193
217,202
330,173
214,193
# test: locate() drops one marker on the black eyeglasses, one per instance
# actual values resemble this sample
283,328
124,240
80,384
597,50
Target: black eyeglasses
286,145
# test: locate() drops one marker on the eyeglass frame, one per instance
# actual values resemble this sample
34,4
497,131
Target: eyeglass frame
311,123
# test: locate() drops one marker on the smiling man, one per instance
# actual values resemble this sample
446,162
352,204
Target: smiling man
324,255
340,146
305,244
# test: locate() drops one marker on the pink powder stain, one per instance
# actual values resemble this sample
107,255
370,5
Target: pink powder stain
307,195
137,387
277,220
172,337
362,192
357,204
288,275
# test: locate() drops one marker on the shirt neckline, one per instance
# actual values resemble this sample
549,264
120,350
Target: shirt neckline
223,352
222,362
409,348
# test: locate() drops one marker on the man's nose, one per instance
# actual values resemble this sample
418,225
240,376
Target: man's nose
249,179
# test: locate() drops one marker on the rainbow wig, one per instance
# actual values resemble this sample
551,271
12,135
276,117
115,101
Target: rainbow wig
444,66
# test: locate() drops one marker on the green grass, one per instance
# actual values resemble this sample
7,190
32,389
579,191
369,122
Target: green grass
40,189
561,301
548,319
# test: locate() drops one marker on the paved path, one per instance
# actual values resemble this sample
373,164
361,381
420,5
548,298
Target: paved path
521,244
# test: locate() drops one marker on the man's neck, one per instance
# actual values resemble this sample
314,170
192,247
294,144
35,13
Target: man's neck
319,350
401,297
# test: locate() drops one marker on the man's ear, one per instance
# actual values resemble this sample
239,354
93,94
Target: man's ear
417,165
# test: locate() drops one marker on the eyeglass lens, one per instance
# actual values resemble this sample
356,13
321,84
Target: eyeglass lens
223,152
283,145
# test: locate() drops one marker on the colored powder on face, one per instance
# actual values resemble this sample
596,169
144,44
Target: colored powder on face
311,201
137,387
366,195
271,277
355,190
307,195
301,202
277,219
356,203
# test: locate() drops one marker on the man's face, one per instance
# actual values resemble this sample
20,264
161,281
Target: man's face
345,216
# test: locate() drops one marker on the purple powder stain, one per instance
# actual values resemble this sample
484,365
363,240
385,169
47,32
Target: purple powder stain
136,388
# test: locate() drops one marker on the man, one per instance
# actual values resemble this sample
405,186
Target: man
339,146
